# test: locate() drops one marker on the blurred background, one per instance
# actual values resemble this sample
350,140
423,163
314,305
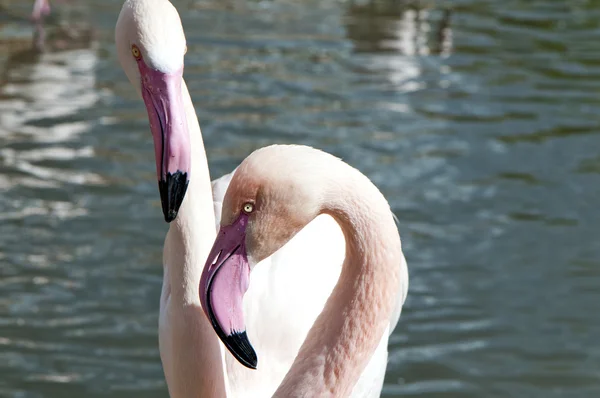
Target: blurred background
479,120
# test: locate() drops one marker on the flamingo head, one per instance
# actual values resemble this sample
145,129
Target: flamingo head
268,201
151,47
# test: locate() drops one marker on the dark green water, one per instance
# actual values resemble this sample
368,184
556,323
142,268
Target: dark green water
481,126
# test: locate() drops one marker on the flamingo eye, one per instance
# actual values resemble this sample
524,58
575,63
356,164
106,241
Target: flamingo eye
185,51
136,52
248,208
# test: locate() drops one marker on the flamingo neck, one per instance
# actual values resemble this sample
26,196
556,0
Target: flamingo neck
348,330
197,357
192,232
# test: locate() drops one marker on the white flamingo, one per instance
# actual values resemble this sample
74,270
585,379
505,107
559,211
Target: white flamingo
278,312
276,192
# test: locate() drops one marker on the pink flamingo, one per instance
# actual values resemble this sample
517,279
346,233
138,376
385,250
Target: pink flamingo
274,193
41,9
151,46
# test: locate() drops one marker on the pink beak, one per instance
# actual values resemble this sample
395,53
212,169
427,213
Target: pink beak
164,102
222,286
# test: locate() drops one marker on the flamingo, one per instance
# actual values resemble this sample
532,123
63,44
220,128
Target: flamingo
276,192
41,9
151,46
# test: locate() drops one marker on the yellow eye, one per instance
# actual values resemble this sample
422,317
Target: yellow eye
185,51
136,52
248,208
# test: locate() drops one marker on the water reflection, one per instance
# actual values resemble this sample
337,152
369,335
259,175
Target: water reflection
42,95
406,27
480,125
476,140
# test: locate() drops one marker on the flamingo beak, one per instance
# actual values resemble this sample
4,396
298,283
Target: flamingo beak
223,284
164,102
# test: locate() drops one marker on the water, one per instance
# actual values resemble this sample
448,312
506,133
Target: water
480,125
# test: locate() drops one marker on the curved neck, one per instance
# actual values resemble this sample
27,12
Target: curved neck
347,332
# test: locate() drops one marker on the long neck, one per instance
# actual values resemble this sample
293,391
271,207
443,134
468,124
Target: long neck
345,335
194,227
187,245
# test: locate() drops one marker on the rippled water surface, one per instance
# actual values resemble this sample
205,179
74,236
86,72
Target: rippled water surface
479,120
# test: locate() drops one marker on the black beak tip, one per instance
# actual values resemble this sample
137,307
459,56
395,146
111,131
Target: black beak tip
240,347
170,215
172,191
237,342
